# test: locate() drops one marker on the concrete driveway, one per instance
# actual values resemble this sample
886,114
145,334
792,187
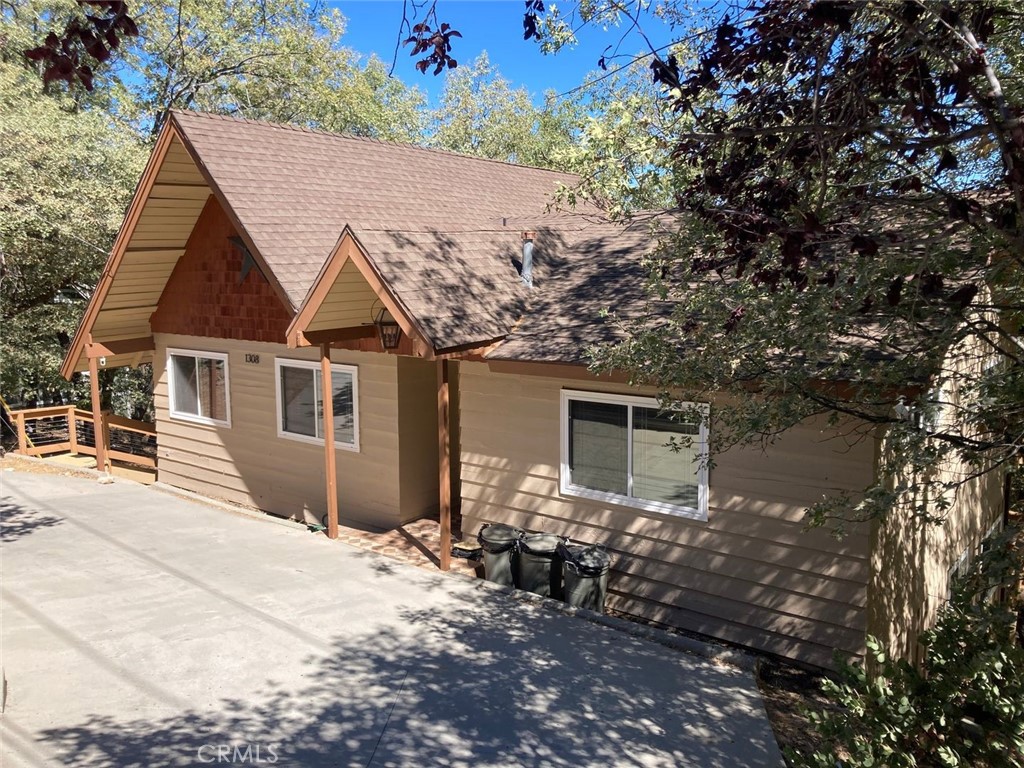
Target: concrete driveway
140,629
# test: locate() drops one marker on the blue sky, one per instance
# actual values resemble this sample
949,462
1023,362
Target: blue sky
491,25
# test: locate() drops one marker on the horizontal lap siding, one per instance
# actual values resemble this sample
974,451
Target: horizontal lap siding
248,463
912,558
417,411
751,574
350,302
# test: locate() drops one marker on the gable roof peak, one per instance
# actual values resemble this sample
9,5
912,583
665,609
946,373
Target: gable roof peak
367,139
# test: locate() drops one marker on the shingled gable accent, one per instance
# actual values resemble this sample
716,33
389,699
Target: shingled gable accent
261,262
348,251
204,295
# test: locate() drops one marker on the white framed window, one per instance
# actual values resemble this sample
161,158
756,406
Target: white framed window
935,412
624,449
300,403
993,530
198,386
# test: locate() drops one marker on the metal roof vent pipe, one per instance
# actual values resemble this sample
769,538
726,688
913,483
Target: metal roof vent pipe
527,270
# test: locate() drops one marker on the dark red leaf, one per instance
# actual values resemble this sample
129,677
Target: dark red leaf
864,245
734,319
893,295
959,208
931,284
963,296
947,161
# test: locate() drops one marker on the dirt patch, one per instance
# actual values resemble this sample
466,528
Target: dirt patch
14,462
789,692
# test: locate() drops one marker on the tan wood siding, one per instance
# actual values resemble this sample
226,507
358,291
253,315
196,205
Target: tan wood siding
912,558
248,463
350,302
417,416
751,574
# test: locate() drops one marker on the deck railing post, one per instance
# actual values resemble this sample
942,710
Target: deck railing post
106,436
73,429
22,434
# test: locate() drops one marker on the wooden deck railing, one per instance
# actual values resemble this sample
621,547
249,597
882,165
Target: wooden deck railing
66,429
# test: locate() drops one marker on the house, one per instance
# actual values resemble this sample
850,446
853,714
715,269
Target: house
261,266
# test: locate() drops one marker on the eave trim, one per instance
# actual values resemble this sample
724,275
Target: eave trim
124,236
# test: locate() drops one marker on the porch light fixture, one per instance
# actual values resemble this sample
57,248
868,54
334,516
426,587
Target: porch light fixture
388,329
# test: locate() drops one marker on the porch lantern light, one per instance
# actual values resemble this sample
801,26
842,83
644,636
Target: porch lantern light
388,329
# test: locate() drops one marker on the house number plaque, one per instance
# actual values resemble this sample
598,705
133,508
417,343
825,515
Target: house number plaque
252,358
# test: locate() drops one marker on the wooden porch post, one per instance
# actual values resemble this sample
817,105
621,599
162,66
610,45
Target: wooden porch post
98,431
444,465
329,458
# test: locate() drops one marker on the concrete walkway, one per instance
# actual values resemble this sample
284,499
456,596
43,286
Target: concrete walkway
141,629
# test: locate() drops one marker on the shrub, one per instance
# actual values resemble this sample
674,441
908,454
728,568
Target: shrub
963,707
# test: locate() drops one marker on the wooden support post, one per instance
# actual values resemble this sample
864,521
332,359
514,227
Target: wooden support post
72,429
106,433
444,465
22,434
98,431
330,465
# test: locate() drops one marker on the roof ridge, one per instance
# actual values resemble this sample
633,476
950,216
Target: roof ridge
368,139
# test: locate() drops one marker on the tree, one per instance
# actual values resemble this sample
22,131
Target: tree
71,156
481,114
88,33
855,219
850,246
623,145
65,175
281,61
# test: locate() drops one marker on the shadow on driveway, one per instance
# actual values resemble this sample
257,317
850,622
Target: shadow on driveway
347,661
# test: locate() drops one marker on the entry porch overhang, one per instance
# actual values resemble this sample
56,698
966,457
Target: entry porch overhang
345,300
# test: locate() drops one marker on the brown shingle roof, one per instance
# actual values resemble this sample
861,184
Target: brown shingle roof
432,222
584,271
461,287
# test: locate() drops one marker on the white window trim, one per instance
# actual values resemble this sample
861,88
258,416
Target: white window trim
956,570
184,416
993,530
568,489
282,362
